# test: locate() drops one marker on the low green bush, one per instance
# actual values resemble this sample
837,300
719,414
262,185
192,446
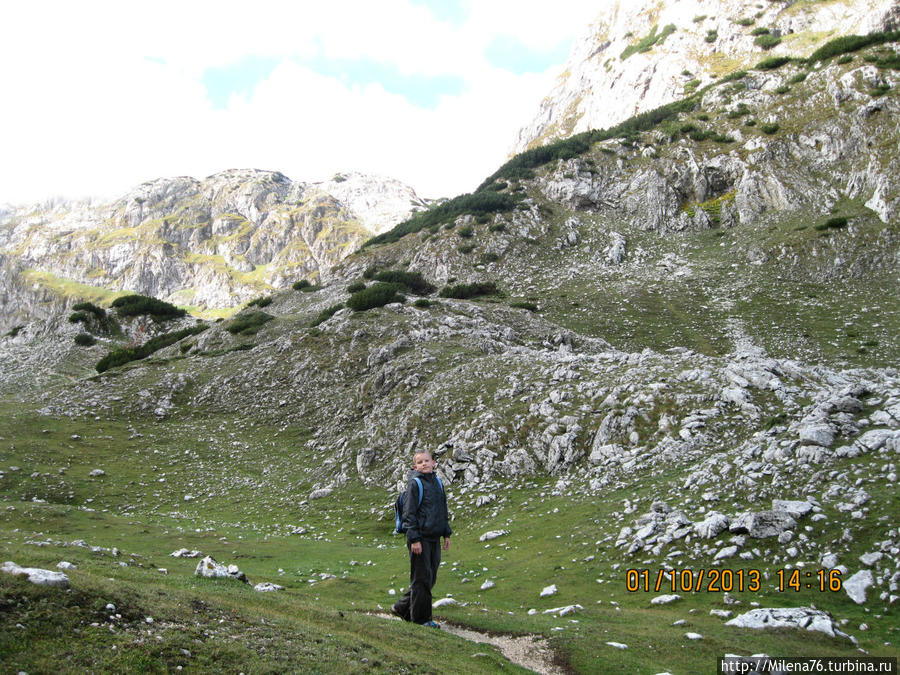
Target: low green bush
851,43
467,291
264,301
85,340
466,249
248,323
798,78
301,285
767,41
772,63
711,36
734,75
414,282
355,287
524,304
78,317
769,128
466,232
90,307
647,43
836,223
326,314
378,294
140,305
120,357
760,31
422,303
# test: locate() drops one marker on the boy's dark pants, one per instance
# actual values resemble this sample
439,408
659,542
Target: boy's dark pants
415,605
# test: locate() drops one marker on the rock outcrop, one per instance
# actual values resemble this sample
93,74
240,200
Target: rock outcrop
211,243
637,56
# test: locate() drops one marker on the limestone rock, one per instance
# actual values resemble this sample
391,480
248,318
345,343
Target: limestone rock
36,575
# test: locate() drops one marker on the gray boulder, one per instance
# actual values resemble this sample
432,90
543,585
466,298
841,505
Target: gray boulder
36,575
762,524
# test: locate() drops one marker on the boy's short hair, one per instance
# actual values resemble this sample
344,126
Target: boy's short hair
422,452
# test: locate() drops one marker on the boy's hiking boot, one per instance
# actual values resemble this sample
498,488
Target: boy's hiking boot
431,624
398,613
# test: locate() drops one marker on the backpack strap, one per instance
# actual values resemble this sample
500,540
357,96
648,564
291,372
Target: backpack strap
438,479
421,489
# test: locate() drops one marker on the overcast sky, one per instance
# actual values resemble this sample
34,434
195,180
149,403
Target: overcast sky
98,97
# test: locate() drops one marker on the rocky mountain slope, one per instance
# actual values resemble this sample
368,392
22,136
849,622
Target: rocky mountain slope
210,244
639,55
676,343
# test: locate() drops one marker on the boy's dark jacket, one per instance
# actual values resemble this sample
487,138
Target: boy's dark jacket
428,521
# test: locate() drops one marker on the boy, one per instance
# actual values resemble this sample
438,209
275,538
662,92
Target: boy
425,523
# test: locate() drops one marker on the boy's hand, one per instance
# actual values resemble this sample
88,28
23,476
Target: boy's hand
446,543
416,548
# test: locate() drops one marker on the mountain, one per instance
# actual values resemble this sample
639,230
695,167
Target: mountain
657,364
210,244
639,55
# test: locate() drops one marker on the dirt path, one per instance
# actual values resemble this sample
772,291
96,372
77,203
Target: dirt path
528,651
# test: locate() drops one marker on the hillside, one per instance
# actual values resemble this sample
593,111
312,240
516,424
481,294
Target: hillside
643,54
210,244
672,348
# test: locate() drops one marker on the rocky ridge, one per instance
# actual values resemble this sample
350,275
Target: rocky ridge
695,42
210,244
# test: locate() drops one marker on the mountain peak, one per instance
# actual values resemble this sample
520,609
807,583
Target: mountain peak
637,56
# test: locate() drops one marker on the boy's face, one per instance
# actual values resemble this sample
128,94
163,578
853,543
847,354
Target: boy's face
423,463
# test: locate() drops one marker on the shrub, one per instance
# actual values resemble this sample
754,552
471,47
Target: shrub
760,31
490,257
835,223
414,282
480,202
699,18
135,305
767,41
769,128
845,59
466,291
880,90
783,89
378,294
711,36
326,314
370,272
522,304
301,285
497,227
78,317
772,63
647,43
120,357
356,287
734,75
851,43
249,323
466,232
422,303
466,249
798,78
85,340
745,21
264,301
90,307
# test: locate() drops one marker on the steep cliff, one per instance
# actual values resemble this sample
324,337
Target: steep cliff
209,244
638,55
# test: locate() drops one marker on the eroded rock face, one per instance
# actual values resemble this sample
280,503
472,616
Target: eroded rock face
704,42
211,243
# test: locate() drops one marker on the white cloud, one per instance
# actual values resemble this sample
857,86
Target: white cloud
88,112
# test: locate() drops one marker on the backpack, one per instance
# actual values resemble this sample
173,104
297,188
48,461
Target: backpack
401,500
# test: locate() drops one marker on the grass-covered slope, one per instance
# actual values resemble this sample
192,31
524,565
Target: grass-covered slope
679,325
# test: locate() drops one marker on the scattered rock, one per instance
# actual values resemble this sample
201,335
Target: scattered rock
856,585
37,576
